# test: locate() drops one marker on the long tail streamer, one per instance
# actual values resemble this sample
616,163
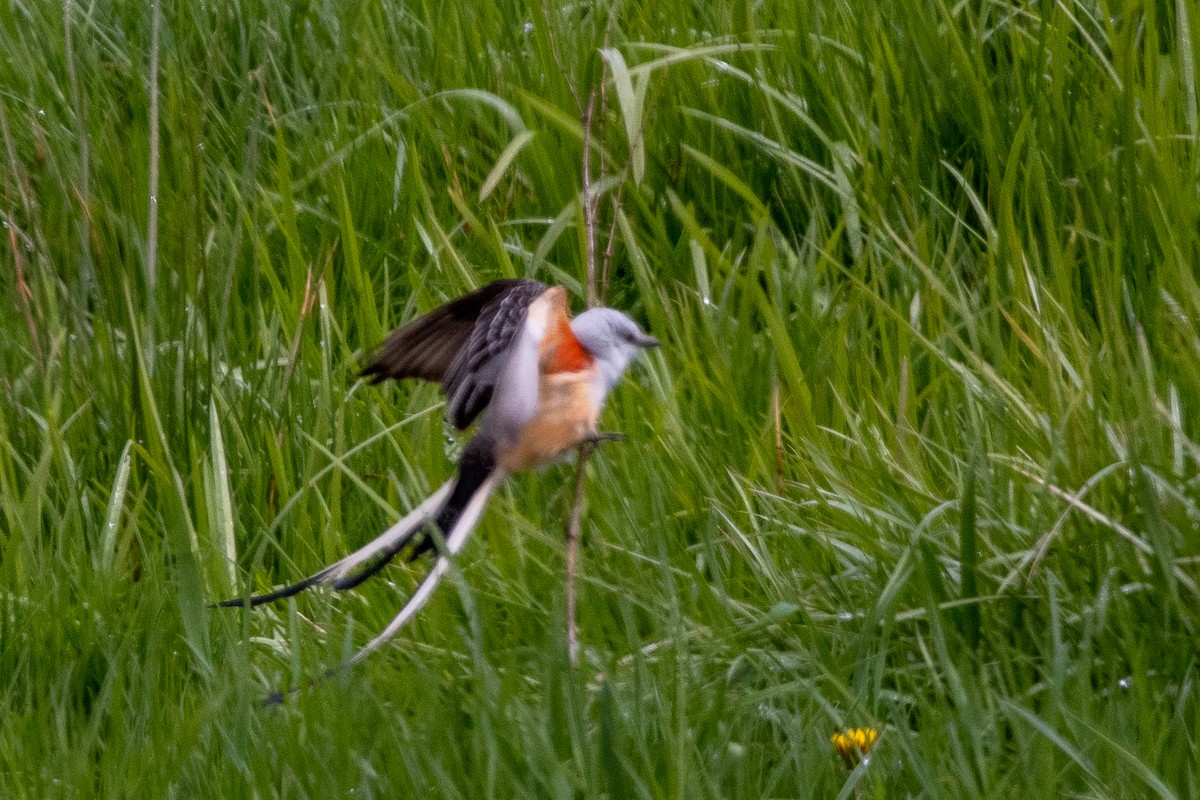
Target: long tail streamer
454,542
371,557
379,550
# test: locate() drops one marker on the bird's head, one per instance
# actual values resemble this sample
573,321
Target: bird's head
613,338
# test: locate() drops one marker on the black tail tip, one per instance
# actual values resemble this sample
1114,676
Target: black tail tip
278,698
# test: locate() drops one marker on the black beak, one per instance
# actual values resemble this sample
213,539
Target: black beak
645,340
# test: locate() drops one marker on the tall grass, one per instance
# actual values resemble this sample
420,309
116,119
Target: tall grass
919,451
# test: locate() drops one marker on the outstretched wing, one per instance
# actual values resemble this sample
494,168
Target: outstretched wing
462,344
471,377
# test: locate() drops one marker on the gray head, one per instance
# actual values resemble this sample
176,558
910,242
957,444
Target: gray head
613,338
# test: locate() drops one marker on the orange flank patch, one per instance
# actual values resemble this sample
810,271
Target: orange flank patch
561,351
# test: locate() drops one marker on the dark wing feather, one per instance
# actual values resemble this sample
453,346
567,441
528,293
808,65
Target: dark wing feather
471,377
426,347
462,344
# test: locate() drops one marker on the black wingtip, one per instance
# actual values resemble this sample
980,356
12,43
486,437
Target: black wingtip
375,371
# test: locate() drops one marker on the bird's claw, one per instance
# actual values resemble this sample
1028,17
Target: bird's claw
605,436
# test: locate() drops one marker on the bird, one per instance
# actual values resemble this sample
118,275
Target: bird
511,353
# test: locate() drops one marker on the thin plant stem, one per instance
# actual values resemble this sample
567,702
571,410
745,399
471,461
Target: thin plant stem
152,223
14,239
574,523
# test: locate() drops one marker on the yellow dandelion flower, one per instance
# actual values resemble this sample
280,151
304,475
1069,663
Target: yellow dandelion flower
853,744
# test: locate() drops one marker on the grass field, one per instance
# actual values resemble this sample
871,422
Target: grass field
921,450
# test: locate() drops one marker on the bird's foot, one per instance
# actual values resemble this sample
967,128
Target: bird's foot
605,436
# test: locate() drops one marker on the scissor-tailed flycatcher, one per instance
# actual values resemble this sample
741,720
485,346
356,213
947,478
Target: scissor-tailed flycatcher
511,351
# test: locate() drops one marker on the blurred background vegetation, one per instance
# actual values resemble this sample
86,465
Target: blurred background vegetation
919,452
